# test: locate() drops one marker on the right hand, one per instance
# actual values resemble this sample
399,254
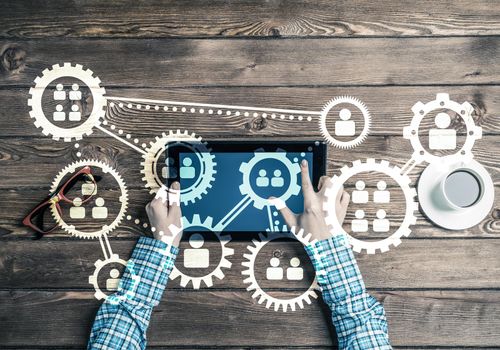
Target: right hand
312,220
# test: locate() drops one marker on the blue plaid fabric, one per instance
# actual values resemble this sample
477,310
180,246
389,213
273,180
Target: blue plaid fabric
359,318
123,319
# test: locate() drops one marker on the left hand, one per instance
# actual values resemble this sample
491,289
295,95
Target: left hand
163,213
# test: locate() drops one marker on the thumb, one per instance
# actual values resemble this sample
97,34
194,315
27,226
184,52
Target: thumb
289,216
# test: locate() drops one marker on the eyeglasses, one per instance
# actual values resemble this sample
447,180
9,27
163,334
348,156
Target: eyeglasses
34,219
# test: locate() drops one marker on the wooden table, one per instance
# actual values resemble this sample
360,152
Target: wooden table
441,289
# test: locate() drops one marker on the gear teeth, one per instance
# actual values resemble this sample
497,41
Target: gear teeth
417,107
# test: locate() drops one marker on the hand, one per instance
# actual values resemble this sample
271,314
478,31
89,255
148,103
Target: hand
312,220
164,212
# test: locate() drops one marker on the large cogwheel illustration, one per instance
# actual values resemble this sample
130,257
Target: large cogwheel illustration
403,181
123,199
40,117
193,143
258,293
366,121
442,101
259,155
207,279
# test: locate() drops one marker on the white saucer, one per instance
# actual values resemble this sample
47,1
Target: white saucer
436,209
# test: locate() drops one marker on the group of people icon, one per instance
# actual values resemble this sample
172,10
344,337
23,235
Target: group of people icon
196,257
74,95
442,138
380,224
293,273
263,180
186,171
381,195
99,211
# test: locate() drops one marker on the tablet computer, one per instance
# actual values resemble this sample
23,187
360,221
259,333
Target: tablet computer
245,174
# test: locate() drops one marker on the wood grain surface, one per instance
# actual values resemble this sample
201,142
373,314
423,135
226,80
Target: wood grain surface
440,288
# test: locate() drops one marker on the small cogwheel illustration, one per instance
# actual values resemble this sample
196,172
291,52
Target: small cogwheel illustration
190,141
366,126
106,169
259,155
361,167
77,72
207,224
442,101
258,293
114,259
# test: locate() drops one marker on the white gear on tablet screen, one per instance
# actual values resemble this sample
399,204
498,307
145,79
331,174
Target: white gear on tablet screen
344,127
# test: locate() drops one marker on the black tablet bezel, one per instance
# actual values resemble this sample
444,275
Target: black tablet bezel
319,153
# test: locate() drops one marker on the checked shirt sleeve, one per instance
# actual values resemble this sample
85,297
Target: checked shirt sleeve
123,318
359,318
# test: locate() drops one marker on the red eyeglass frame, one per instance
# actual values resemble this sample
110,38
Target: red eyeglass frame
56,197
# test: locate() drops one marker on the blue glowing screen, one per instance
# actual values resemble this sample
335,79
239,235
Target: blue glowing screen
268,177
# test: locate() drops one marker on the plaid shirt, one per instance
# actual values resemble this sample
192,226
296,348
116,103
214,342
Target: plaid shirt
359,318
123,318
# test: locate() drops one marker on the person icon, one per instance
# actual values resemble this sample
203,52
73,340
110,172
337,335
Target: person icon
77,211
169,171
360,224
360,195
196,257
345,127
381,195
59,94
75,115
187,169
59,115
274,272
295,272
277,180
75,94
99,211
381,224
262,180
441,138
113,282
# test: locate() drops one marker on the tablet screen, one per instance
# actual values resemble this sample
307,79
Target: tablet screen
246,176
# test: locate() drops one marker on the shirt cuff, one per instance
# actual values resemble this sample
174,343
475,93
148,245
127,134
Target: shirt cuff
336,269
147,271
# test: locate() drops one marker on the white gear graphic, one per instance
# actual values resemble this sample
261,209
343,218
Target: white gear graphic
246,169
258,293
199,148
71,168
366,117
223,262
67,70
402,180
442,101
99,264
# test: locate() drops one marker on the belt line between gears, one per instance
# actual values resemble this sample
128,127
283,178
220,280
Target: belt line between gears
233,213
120,139
248,108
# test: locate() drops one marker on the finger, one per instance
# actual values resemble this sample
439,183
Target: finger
162,194
344,201
307,188
339,194
323,183
289,216
174,199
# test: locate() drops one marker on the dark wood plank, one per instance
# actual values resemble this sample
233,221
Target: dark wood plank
390,108
66,264
225,318
21,19
172,62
